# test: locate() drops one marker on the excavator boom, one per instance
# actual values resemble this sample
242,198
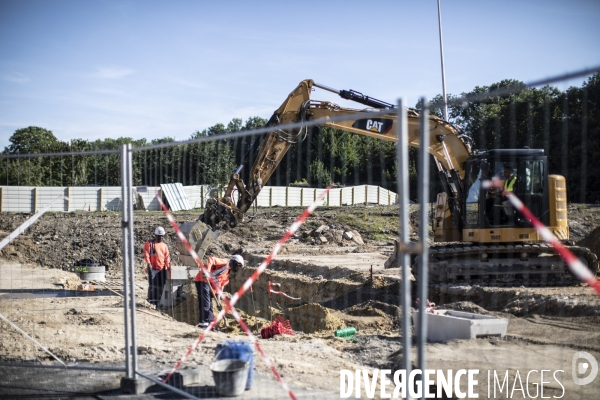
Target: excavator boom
448,146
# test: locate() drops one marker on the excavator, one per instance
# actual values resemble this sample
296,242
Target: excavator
478,237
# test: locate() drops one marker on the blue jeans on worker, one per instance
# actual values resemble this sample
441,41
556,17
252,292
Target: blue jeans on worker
204,302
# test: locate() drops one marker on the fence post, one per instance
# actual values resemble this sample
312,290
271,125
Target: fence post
366,194
315,195
99,199
302,197
328,203
270,197
287,195
352,195
389,198
341,196
1,197
35,198
68,198
202,196
378,194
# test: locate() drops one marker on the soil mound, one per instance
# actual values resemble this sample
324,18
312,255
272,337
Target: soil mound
313,317
22,249
592,242
368,317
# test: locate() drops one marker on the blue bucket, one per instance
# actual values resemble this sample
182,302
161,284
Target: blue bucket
237,350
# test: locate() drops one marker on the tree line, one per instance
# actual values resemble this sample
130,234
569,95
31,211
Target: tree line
565,124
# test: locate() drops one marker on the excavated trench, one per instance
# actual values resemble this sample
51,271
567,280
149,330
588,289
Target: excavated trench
330,298
325,299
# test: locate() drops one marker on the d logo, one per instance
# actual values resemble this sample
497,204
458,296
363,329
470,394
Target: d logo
579,367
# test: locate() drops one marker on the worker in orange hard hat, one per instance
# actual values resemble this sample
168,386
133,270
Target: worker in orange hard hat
220,269
158,262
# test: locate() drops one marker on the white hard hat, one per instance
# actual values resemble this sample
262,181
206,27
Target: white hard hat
159,231
237,258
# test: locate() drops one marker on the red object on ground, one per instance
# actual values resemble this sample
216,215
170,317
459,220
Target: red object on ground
278,326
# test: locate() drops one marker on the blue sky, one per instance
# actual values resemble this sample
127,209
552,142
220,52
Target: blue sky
149,69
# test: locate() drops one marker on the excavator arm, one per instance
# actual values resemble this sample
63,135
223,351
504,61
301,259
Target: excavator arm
447,145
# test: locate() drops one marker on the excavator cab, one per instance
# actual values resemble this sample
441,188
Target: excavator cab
523,171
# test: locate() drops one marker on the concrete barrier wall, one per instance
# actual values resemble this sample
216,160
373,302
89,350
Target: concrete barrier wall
29,198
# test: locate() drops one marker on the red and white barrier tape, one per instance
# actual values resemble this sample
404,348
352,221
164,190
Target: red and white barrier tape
248,284
219,291
271,284
575,265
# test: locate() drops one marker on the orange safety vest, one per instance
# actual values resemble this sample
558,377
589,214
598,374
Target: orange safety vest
157,255
509,184
218,267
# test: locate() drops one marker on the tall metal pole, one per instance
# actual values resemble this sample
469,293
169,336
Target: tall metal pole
402,179
125,252
423,233
131,256
442,58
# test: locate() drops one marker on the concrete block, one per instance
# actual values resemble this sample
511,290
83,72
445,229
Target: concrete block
183,272
135,385
184,376
443,325
321,229
357,238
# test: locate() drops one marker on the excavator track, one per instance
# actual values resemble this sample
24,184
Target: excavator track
504,265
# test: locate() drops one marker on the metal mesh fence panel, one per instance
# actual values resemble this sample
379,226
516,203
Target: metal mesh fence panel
338,280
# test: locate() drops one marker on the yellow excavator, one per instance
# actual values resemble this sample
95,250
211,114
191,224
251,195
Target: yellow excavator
482,239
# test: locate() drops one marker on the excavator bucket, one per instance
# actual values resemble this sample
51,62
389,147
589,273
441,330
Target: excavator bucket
200,236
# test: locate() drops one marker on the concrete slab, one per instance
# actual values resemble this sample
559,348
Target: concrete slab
444,325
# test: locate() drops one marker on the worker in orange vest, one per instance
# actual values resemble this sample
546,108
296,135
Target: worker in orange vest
220,269
158,262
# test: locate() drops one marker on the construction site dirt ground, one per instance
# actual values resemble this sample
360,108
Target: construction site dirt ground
340,282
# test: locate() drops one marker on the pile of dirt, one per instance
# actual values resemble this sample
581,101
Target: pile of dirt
583,219
313,317
367,317
592,241
465,306
68,280
187,310
21,250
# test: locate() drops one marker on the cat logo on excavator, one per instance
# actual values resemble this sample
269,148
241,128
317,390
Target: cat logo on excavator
377,125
